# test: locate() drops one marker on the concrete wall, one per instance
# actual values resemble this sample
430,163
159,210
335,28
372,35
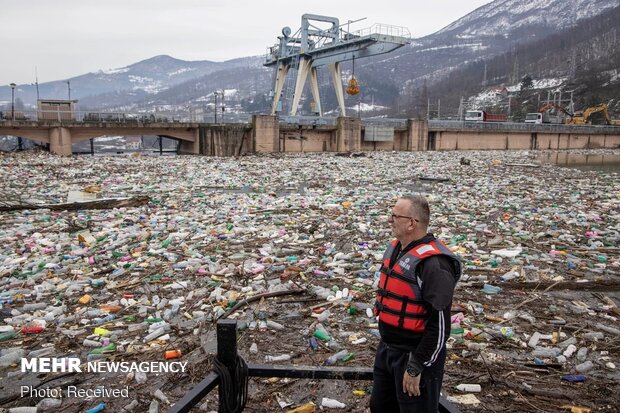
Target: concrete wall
456,140
577,141
348,134
266,135
226,140
307,139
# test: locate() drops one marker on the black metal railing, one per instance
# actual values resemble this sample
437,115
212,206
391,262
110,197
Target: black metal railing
228,356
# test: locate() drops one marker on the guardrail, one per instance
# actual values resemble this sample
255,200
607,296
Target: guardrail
387,29
232,373
308,120
394,122
440,125
120,117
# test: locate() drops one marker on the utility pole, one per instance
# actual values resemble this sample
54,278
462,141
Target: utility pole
36,82
223,107
215,107
13,101
69,88
509,104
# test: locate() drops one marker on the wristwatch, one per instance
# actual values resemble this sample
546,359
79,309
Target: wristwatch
412,372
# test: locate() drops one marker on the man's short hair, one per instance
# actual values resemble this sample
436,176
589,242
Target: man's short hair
419,208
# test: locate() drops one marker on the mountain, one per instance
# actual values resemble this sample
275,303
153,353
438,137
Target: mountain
581,61
524,19
146,77
402,80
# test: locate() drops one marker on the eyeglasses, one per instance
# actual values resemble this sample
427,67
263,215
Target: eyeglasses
392,217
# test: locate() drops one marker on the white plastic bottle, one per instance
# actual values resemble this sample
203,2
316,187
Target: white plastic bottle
469,388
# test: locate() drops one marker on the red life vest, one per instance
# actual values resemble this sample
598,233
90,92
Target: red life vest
399,298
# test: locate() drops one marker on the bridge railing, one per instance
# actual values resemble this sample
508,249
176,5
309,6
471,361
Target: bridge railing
121,117
231,367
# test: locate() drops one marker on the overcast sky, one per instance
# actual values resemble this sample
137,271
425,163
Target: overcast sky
66,38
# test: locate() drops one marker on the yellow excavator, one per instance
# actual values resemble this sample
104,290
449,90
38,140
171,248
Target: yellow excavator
586,117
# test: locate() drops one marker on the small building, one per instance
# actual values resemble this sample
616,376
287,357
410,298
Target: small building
498,91
50,109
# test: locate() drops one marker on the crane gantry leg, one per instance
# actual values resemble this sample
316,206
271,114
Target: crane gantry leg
334,69
314,86
280,78
302,74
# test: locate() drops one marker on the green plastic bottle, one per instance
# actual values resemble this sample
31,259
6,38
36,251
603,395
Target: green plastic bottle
322,335
7,335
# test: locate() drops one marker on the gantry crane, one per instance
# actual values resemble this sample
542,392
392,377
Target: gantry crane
311,47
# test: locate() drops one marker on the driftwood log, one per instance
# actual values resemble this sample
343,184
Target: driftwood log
72,206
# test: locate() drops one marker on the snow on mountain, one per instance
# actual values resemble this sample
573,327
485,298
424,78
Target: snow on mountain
505,16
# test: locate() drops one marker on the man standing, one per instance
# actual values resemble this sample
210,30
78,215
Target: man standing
413,303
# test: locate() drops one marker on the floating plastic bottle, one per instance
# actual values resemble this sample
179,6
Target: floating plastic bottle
331,360
332,403
98,408
469,388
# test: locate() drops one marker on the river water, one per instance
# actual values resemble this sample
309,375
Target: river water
584,161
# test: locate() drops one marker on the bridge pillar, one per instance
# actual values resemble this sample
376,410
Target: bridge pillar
191,148
265,133
348,134
417,135
60,141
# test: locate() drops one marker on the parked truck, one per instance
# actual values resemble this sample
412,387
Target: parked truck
483,116
549,113
544,117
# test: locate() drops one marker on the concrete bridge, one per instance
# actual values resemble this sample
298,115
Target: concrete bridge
61,135
271,134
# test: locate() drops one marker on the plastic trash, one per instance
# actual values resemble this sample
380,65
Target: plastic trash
172,354
98,408
545,352
321,335
130,407
582,353
331,360
469,388
49,404
282,357
332,403
304,408
533,341
574,378
584,367
491,289
140,377
215,238
570,350
161,396
154,406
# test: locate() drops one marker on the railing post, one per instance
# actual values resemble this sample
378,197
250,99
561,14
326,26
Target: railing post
226,351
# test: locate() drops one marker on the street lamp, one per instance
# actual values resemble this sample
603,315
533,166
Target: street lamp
13,100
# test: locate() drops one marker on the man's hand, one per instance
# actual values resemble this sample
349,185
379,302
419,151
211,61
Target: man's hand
411,385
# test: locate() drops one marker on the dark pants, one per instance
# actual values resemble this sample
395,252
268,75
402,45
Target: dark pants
387,388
